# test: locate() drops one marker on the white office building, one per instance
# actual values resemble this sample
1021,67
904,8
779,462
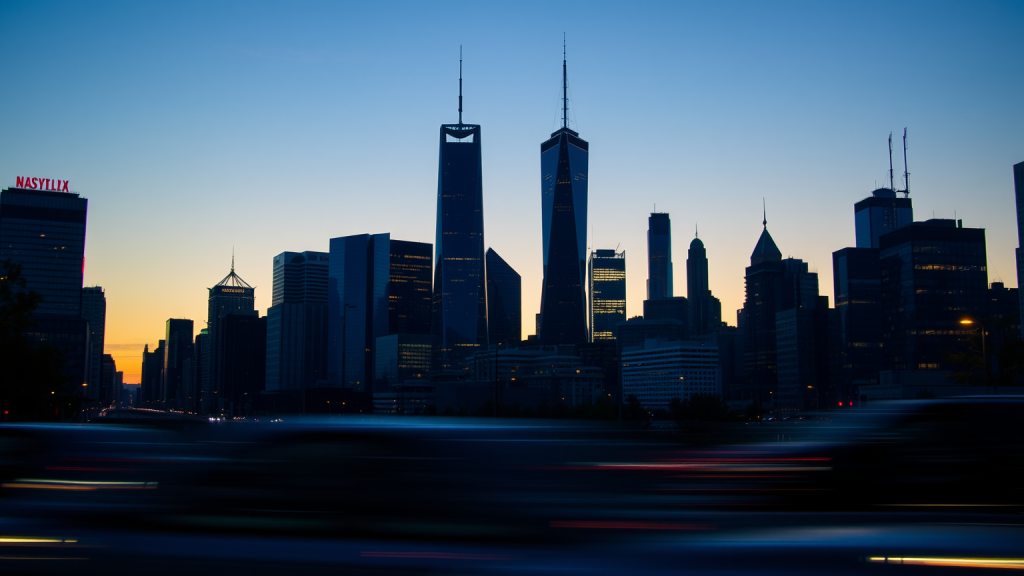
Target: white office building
661,370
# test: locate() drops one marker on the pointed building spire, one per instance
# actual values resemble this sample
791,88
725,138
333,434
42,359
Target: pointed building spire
764,208
565,93
696,233
232,259
460,84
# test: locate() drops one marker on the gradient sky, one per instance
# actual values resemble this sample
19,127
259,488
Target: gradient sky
193,128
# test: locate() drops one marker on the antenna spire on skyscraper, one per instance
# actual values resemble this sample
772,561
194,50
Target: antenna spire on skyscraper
906,174
565,94
460,84
892,185
696,233
232,259
764,208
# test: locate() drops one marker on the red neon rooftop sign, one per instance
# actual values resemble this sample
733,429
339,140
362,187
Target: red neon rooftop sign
42,184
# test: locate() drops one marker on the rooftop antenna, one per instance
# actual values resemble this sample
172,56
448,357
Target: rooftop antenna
764,207
695,233
906,175
232,260
460,84
565,95
891,185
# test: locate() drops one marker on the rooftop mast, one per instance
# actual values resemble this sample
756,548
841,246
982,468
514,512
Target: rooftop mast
906,175
892,186
460,84
565,97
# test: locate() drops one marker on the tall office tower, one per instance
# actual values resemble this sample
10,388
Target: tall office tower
357,301
297,321
504,301
232,295
108,374
763,279
200,367
879,214
804,354
43,231
245,361
606,275
152,371
705,309
1018,188
94,310
857,280
659,256
934,274
459,304
409,290
564,168
883,211
174,387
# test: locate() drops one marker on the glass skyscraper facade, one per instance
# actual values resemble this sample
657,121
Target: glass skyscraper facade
357,307
880,214
44,233
606,273
564,166
933,275
659,256
409,287
504,301
459,305
297,321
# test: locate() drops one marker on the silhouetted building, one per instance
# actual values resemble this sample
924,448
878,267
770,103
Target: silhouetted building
459,304
604,354
675,308
245,361
658,371
297,321
200,366
94,310
409,290
43,231
1002,321
232,295
152,374
804,355
606,274
705,309
934,274
504,301
400,358
879,214
564,168
175,386
357,302
1018,188
659,256
857,279
636,330
108,393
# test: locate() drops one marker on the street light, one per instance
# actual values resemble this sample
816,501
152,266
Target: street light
984,356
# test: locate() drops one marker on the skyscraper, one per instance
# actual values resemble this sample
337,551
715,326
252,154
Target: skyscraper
933,275
43,231
858,297
232,295
705,309
94,310
409,289
606,274
659,256
883,211
297,321
152,370
459,305
175,382
763,279
504,301
564,167
245,361
1018,188
357,305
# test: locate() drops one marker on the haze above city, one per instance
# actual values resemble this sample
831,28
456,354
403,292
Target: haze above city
198,129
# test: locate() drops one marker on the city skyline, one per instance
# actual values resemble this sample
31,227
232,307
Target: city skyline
175,180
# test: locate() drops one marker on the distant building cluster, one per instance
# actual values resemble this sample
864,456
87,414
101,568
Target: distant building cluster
376,324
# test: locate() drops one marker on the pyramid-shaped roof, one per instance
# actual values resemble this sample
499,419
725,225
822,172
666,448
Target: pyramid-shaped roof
766,250
233,280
